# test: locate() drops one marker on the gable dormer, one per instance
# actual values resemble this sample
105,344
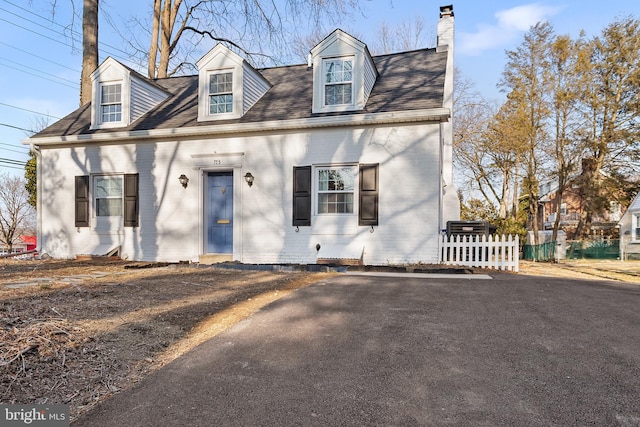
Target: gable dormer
343,74
228,86
120,96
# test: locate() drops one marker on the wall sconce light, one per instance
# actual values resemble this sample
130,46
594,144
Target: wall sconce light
249,178
183,180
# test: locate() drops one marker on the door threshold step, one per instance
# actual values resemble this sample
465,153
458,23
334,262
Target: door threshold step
215,258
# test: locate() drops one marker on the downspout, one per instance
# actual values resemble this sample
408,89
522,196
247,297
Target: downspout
441,191
36,151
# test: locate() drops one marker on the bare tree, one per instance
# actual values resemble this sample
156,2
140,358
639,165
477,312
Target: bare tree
471,155
89,48
89,42
16,214
408,35
259,29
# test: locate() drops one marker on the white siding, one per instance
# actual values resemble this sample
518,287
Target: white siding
143,98
253,87
171,216
369,78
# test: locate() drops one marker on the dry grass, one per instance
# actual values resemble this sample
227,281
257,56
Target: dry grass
77,332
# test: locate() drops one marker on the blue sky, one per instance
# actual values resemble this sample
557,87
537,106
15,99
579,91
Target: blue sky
40,63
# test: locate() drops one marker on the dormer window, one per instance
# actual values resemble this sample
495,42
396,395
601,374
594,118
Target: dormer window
338,81
228,86
221,93
343,74
111,103
120,96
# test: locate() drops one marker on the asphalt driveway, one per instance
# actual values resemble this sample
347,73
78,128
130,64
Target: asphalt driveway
362,351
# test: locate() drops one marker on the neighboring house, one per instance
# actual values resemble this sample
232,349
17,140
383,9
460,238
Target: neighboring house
572,206
630,231
30,241
347,157
21,244
571,210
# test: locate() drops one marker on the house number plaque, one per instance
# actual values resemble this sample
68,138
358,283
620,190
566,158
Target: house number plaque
214,160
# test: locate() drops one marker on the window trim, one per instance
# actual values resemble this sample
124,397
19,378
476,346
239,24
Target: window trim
210,94
96,104
103,104
236,95
94,197
324,83
316,190
635,226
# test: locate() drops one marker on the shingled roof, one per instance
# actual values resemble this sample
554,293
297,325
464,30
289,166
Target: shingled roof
407,81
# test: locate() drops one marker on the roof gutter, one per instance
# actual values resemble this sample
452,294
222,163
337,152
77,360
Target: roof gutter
412,116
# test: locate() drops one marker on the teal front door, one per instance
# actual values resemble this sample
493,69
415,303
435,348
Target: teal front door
220,213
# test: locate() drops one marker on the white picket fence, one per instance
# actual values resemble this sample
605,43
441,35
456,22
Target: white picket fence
494,252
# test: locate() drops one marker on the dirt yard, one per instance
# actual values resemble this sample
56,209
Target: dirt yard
76,332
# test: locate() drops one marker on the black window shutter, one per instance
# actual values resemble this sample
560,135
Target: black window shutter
368,197
131,200
82,201
302,195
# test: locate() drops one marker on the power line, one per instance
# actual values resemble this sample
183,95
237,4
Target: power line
39,57
36,70
11,167
55,40
30,111
37,33
13,151
12,162
15,146
36,75
17,127
71,30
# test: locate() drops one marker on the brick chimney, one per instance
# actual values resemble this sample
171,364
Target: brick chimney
445,28
449,202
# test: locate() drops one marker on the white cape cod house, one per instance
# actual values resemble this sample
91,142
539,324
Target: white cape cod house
347,157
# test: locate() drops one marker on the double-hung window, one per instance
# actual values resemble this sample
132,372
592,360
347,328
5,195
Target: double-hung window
111,103
635,224
338,81
108,191
221,93
336,186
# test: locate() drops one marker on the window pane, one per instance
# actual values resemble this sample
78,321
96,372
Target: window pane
221,83
111,103
221,93
220,104
108,186
111,94
109,207
335,203
108,195
337,179
112,113
337,94
336,188
347,71
337,71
